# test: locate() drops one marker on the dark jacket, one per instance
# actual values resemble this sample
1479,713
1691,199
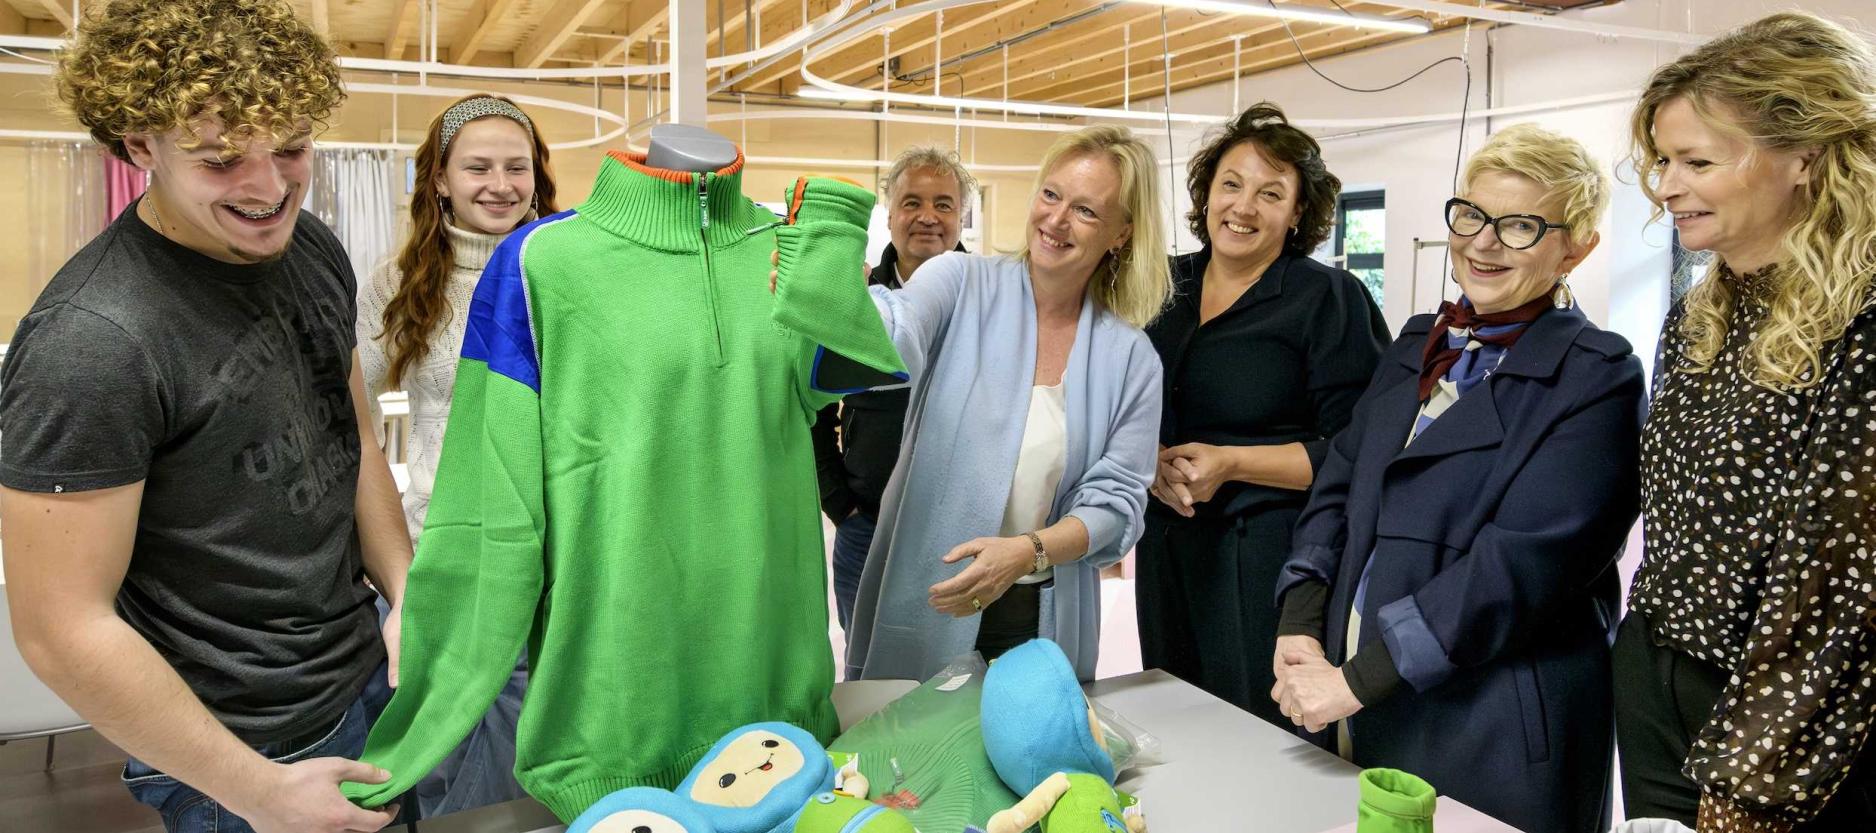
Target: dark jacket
1493,540
853,466
1286,363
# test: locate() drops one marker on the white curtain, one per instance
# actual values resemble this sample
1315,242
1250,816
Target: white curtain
65,194
357,192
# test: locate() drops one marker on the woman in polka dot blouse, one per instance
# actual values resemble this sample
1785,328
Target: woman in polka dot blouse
1746,669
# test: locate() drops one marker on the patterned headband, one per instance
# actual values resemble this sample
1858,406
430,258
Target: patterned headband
465,112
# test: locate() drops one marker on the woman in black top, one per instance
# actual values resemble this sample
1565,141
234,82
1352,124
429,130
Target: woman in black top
1746,669
1265,353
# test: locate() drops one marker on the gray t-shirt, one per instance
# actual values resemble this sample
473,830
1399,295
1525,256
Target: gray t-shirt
225,389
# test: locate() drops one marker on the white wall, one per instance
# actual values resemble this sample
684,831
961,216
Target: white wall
1623,285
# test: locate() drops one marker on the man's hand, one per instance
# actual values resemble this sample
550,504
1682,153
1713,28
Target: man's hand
304,797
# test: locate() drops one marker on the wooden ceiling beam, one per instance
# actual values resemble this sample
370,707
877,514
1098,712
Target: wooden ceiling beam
1059,55
61,12
554,29
11,21
1110,64
638,20
1219,68
403,20
731,32
320,17
775,27
965,30
474,28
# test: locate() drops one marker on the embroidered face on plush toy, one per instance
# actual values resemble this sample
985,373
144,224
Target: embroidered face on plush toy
747,770
639,821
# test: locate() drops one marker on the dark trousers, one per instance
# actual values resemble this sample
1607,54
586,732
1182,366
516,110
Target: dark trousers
1013,619
852,538
1205,589
1662,699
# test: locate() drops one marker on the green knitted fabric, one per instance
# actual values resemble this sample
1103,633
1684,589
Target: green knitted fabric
644,515
1090,806
943,779
1393,801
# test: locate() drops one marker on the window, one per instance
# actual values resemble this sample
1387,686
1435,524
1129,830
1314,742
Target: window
1360,235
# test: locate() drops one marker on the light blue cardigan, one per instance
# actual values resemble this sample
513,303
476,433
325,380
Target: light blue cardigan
966,328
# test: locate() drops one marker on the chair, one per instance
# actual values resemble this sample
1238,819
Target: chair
27,708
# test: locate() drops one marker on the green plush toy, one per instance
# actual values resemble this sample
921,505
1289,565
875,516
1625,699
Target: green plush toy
836,813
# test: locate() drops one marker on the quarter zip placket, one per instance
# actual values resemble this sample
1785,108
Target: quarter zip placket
710,280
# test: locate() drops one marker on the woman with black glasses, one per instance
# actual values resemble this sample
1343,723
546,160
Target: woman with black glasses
1451,589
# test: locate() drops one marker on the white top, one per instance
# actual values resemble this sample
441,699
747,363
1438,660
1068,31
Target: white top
1038,468
431,380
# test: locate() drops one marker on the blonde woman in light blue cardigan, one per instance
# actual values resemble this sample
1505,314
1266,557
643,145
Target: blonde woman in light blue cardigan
1032,435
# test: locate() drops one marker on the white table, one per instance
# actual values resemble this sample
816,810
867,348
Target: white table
1224,769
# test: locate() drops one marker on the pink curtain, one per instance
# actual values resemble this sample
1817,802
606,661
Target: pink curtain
123,184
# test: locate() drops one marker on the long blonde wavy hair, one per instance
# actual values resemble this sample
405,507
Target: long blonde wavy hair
1143,282
1792,82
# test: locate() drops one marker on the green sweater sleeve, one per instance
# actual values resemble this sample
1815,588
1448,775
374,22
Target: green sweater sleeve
477,577
820,292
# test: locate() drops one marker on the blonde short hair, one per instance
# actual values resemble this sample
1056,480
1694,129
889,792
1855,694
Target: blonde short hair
1143,280
1558,163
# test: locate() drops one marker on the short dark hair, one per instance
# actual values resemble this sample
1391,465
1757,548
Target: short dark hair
1265,126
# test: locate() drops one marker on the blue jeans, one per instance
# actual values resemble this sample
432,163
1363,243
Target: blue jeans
187,810
481,770
852,538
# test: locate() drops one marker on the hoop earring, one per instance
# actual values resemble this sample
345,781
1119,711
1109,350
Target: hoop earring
442,207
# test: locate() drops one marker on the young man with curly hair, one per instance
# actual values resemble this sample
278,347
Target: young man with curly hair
193,499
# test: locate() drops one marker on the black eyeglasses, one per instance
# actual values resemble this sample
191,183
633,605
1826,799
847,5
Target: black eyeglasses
1516,231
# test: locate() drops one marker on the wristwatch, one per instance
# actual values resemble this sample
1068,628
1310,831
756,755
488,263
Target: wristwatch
1042,555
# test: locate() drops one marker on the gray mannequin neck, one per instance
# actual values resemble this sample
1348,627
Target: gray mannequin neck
681,147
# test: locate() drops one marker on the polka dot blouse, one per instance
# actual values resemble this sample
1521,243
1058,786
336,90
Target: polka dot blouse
1760,522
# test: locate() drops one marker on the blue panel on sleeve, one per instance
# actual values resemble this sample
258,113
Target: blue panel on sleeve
500,330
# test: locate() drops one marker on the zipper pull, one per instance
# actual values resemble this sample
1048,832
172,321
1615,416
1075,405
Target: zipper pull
703,200
765,227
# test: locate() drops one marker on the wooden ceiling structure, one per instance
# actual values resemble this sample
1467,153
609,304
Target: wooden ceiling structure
1097,53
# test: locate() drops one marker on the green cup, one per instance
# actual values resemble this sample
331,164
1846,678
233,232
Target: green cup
1393,801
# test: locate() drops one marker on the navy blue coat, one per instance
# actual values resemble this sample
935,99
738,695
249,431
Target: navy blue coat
1494,539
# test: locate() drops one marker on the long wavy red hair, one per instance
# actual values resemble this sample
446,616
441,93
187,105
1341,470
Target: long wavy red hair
421,304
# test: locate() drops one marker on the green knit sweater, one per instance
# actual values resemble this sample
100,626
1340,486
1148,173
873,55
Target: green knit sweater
627,486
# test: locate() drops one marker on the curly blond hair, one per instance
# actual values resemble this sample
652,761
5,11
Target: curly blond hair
1788,82
151,66
1558,163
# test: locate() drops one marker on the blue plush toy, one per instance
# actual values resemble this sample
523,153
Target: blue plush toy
757,778
640,810
1046,744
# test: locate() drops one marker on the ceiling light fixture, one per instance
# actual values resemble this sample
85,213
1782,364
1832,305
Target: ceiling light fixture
1257,9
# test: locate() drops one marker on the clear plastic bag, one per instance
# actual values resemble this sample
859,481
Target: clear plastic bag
1130,745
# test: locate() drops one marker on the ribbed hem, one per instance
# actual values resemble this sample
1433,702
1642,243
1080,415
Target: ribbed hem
1398,794
664,210
571,800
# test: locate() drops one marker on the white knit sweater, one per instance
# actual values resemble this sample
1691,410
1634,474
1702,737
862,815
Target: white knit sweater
430,381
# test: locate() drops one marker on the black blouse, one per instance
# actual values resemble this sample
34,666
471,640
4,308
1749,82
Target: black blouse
1286,363
1759,511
